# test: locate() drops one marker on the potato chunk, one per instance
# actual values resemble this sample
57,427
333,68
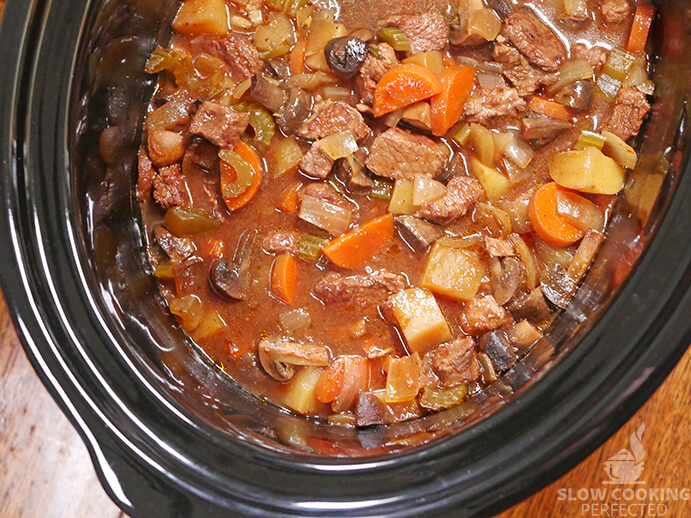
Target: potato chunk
587,170
202,17
453,272
493,182
421,321
300,395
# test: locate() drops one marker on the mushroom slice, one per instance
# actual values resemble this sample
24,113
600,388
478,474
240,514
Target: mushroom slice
231,280
280,357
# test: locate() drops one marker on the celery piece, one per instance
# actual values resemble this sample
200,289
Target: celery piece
394,37
608,86
383,187
262,123
165,271
244,174
590,138
618,63
462,136
188,220
310,247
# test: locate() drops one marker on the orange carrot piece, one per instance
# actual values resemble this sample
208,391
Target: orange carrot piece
329,384
288,200
640,28
356,247
548,108
404,85
297,58
217,249
447,107
284,278
228,175
550,226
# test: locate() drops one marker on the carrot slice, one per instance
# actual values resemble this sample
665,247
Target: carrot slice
288,200
640,28
447,107
404,85
548,108
545,219
229,175
217,248
284,278
355,248
329,384
297,58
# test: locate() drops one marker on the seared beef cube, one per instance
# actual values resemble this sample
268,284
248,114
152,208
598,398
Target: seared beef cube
382,57
219,124
533,307
351,171
177,248
482,314
455,362
281,242
527,79
372,411
615,11
499,247
331,118
461,194
630,108
495,344
427,32
201,157
595,56
316,163
398,153
522,334
169,187
417,232
537,41
505,53
240,54
358,290
145,180
487,103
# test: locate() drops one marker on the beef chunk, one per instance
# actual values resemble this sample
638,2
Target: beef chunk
281,242
496,345
240,54
334,117
177,248
201,157
417,232
483,314
595,55
358,290
526,79
461,193
382,57
532,306
505,53
499,247
219,124
615,11
316,162
372,411
427,32
145,180
536,41
455,362
398,153
487,103
630,108
169,187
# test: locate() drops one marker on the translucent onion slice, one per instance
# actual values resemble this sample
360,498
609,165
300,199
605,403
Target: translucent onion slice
294,320
339,145
579,212
572,71
328,216
426,190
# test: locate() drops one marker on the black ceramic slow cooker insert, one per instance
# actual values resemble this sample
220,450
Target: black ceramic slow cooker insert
169,434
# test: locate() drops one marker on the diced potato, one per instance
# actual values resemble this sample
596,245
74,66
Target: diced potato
202,17
620,151
322,30
212,324
587,170
482,141
403,379
283,155
493,182
300,395
432,61
402,198
453,272
421,321
419,115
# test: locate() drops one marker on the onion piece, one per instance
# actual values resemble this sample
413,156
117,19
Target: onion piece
572,71
576,9
356,379
487,80
637,74
527,258
484,23
470,241
518,214
497,214
426,190
579,212
311,81
338,93
294,320
614,147
519,151
328,216
339,145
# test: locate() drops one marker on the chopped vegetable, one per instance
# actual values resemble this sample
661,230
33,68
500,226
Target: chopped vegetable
547,222
394,37
310,247
165,271
301,392
288,201
519,151
447,106
212,324
283,155
329,216
548,108
618,64
527,258
452,271
189,310
339,145
355,248
404,85
168,116
402,198
322,31
608,86
433,61
578,211
421,321
462,136
587,170
619,150
262,123
297,58
294,320
484,23
493,182
426,190
284,278
576,9
403,379
216,250
383,189
241,175
438,399
329,384
290,7
642,21
188,220
572,71
590,138
355,379
275,38
483,143
202,17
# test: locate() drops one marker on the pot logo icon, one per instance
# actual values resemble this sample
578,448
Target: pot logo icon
626,466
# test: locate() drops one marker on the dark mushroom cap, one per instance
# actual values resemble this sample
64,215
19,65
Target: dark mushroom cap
346,55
